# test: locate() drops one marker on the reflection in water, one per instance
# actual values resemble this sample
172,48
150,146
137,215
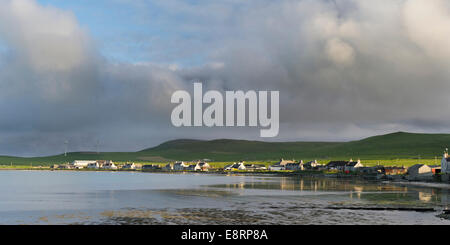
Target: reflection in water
374,192
146,198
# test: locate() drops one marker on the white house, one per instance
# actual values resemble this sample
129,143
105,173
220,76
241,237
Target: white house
252,167
353,166
445,163
238,166
93,165
202,166
281,165
82,163
109,165
277,167
283,162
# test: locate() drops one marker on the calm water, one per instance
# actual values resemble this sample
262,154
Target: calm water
67,197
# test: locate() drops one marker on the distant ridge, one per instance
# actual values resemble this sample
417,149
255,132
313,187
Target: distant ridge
389,146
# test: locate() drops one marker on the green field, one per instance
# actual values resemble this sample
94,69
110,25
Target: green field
391,149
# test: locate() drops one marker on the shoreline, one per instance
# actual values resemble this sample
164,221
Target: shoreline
374,178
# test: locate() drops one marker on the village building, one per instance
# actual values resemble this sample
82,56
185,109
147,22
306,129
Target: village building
191,167
253,167
371,170
93,165
352,166
168,167
419,171
66,166
336,165
81,163
129,166
277,167
312,165
151,167
236,166
281,165
394,170
202,166
445,163
295,166
108,165
283,162
435,169
180,166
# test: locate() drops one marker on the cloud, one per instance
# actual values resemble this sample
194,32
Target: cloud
341,53
345,69
428,25
44,38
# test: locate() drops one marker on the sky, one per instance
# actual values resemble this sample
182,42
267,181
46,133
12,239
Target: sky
103,72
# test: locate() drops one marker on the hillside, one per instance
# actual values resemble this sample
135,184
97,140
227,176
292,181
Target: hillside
391,146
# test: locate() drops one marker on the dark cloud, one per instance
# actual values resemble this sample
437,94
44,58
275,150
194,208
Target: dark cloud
344,69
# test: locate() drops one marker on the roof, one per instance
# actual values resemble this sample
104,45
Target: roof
416,167
284,162
337,163
351,164
293,163
394,167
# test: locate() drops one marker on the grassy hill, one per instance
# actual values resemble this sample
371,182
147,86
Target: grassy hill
391,146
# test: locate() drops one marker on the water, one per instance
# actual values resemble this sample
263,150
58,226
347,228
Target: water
70,197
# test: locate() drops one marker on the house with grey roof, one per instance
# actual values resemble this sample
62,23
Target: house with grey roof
180,166
419,172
